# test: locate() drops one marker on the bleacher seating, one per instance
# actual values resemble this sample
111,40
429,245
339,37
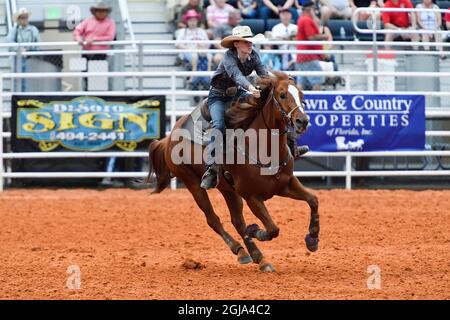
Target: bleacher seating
367,36
271,23
257,25
443,4
345,26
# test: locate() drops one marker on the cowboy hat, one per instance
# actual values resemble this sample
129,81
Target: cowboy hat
191,14
21,12
241,33
101,6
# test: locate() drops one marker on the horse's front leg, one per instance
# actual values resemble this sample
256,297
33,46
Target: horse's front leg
296,190
258,208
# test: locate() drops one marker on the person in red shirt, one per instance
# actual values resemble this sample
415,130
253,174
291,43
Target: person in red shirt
308,30
400,20
447,19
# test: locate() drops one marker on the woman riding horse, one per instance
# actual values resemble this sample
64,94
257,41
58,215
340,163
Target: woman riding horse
239,61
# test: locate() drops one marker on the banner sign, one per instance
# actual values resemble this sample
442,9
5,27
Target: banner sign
365,122
87,123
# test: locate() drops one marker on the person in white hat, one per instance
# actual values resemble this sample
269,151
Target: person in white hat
239,62
23,32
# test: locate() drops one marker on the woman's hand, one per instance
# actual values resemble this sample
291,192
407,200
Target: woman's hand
255,92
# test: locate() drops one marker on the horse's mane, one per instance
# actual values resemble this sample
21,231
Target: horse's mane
241,115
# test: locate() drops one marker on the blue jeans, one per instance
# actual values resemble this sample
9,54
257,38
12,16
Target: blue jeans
217,102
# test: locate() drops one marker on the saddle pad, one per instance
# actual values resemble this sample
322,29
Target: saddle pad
199,129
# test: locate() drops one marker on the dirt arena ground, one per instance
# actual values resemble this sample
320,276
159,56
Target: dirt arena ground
129,245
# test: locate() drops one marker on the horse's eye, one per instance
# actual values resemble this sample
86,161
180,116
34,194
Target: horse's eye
283,95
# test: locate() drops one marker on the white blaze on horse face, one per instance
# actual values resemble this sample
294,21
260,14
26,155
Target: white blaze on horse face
293,90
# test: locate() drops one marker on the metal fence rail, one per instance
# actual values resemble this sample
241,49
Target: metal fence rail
173,113
138,48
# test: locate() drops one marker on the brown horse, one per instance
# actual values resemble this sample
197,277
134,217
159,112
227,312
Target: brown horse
280,105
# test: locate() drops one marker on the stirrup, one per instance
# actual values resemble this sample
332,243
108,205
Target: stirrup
300,151
210,178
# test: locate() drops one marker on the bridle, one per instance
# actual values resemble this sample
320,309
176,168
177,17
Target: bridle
287,116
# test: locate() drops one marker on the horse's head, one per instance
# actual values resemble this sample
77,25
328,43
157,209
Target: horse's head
288,100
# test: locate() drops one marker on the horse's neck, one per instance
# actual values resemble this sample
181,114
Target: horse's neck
266,120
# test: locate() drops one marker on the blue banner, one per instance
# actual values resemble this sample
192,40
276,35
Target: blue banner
365,122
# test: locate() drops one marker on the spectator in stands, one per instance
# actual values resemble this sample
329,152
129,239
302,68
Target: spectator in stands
335,9
400,21
447,20
98,27
218,13
365,15
23,32
270,60
191,5
308,30
283,31
248,8
271,9
298,4
429,21
194,61
225,30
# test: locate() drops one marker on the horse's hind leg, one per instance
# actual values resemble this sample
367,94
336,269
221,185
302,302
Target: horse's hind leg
296,190
235,205
201,198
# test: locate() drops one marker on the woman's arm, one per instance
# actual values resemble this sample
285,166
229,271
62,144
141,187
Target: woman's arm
79,32
288,4
270,5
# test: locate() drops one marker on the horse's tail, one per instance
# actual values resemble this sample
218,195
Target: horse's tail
157,165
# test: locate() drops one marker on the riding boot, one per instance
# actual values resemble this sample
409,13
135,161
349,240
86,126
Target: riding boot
209,178
296,151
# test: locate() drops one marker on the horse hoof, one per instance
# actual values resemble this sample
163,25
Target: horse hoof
311,243
244,257
251,230
267,267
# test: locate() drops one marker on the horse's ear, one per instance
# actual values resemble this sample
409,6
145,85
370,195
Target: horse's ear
265,82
